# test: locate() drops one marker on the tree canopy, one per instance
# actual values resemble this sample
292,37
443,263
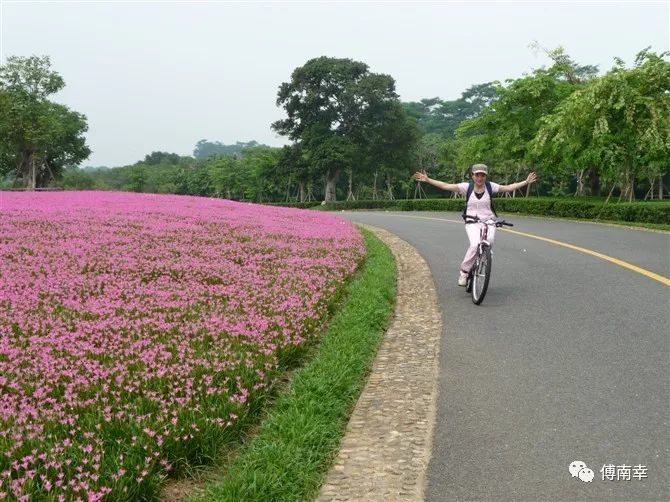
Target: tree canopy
619,123
339,113
38,138
435,116
501,133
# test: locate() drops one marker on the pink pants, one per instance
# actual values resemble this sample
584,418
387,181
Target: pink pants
474,230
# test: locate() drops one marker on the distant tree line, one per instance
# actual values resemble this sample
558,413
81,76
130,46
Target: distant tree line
205,149
352,138
249,176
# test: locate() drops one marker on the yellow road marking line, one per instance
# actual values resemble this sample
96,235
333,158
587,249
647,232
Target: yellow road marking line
652,275
616,261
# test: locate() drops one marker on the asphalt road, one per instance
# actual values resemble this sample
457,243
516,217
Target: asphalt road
566,359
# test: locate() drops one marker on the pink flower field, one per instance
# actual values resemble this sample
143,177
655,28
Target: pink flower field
138,332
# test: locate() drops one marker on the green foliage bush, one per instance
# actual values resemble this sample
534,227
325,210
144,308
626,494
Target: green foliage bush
76,179
658,212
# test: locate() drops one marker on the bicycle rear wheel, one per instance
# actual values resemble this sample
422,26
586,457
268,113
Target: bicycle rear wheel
481,275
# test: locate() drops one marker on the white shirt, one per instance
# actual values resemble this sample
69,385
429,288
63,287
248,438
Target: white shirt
479,207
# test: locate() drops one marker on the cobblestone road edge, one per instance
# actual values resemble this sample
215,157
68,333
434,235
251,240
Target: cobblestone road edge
387,445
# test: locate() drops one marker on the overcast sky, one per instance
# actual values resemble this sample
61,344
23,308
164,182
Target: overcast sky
162,75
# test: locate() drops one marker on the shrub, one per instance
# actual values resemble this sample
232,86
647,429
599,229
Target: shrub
587,208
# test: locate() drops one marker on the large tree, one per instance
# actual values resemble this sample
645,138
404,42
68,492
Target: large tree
38,138
502,133
391,139
620,122
337,110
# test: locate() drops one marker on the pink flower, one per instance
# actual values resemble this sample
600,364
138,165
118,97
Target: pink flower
113,299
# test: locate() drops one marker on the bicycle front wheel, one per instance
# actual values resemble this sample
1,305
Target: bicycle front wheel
481,275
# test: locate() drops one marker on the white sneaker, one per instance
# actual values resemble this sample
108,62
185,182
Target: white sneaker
462,279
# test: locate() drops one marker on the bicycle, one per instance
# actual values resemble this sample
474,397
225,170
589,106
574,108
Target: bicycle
479,276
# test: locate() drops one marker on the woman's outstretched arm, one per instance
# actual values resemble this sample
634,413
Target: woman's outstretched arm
520,184
422,176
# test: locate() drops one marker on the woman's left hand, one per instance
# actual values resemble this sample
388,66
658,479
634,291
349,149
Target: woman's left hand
421,175
532,177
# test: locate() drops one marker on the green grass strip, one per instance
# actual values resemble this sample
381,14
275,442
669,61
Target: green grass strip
296,444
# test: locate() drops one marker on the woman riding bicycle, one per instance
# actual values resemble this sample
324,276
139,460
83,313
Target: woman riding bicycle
478,205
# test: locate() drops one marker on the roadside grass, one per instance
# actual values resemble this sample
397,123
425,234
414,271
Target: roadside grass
289,455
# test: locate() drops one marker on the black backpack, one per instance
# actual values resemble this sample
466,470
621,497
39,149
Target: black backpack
471,188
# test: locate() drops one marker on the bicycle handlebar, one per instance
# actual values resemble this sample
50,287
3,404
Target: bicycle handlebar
491,221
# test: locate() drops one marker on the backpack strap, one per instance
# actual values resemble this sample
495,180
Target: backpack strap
489,189
471,187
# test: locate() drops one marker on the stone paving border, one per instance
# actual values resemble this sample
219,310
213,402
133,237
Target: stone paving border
387,445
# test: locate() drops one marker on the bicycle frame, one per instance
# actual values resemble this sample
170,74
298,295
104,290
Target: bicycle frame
484,235
478,278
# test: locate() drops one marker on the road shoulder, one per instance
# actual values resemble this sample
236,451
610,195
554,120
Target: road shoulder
387,445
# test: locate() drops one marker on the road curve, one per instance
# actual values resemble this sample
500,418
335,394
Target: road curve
566,359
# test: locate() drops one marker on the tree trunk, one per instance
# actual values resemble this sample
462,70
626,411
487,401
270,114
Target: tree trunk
374,187
650,192
580,184
594,181
288,190
610,194
660,187
628,188
303,192
26,168
418,191
32,178
50,172
331,185
389,187
350,194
